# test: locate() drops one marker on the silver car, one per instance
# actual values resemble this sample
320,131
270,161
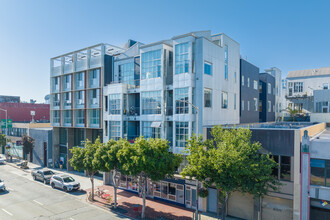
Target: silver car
65,182
2,160
2,186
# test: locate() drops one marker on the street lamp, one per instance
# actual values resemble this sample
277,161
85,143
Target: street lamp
6,123
197,111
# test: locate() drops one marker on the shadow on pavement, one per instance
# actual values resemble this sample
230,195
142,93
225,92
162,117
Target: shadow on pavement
4,192
78,192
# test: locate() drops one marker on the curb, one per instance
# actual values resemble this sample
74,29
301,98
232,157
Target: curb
15,166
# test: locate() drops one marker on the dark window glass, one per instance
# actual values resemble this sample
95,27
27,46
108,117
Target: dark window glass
275,170
285,168
317,176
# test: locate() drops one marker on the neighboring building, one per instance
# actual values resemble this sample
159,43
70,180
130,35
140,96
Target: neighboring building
10,99
76,86
266,97
149,90
249,92
42,149
321,110
21,112
276,72
283,141
301,85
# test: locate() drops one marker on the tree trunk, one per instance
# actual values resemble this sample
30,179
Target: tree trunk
92,180
114,187
224,207
143,197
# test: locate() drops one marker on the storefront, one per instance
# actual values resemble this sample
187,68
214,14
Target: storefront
319,210
128,183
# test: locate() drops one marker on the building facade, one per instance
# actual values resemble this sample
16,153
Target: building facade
279,94
249,92
76,92
43,146
266,97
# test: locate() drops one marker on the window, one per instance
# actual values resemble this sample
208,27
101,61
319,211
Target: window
94,96
298,87
56,100
80,80
235,76
255,84
151,64
56,116
207,98
181,133
235,101
94,117
290,86
114,104
67,99
114,130
67,82
180,96
67,117
242,105
269,106
126,73
56,85
151,102
255,106
226,62
80,118
320,172
94,78
322,107
150,132
242,80
248,105
207,68
325,86
269,88
224,100
283,170
248,82
181,58
80,98
106,103
260,87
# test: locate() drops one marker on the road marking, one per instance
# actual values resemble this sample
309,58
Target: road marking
38,202
7,212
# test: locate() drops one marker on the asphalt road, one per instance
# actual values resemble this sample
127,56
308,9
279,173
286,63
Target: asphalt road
28,199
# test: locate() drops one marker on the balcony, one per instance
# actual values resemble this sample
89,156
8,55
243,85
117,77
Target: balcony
81,65
95,62
68,68
56,71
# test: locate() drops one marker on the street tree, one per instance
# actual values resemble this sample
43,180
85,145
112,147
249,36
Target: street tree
106,160
28,144
148,158
83,159
2,140
230,162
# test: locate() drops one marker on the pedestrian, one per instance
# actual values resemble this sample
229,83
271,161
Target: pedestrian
61,164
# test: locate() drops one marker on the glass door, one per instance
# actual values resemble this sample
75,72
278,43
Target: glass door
191,198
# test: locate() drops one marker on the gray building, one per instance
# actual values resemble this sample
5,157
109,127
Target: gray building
43,142
266,97
249,93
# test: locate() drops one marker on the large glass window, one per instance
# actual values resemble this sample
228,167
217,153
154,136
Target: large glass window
114,130
181,58
67,117
207,68
207,98
80,117
126,73
181,133
151,102
94,78
94,117
285,173
56,84
56,116
181,95
150,132
94,97
151,64
224,100
298,86
114,104
56,100
67,82
80,80
318,172
80,98
67,99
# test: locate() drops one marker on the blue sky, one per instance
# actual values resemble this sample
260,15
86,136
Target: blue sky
288,34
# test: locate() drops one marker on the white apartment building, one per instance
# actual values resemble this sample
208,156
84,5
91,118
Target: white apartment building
301,85
152,85
278,91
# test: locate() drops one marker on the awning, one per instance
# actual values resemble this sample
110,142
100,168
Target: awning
156,124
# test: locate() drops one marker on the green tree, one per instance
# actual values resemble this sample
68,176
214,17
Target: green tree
83,159
230,162
106,160
2,140
292,112
148,159
28,144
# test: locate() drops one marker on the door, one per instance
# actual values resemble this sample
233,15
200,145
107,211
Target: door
212,201
45,154
191,197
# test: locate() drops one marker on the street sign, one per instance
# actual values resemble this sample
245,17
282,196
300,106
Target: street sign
9,125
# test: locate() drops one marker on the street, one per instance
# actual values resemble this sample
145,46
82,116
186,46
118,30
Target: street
29,199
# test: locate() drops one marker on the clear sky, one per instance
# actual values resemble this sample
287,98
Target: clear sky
288,34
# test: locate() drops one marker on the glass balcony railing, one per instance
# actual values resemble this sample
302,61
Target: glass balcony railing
133,111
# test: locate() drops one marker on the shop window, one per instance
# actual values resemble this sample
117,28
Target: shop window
285,168
318,172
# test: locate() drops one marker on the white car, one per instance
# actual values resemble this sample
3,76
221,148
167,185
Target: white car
2,186
2,160
65,182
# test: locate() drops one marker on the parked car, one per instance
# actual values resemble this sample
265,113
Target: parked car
65,182
2,160
42,175
2,186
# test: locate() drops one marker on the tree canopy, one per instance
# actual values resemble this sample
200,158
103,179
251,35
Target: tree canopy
28,143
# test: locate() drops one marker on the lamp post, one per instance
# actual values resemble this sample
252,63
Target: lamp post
6,123
197,111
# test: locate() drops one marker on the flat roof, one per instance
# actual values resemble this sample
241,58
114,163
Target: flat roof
325,135
271,125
